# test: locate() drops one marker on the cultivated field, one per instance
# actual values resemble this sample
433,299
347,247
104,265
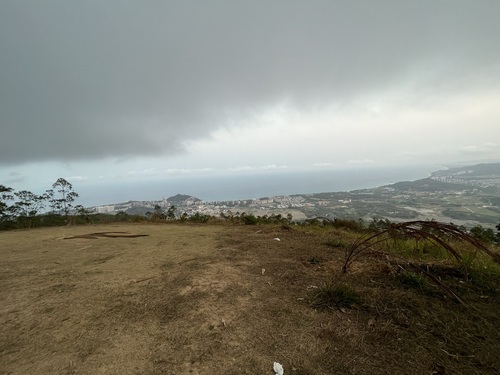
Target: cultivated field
207,299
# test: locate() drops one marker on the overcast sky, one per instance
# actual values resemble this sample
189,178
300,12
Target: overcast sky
127,90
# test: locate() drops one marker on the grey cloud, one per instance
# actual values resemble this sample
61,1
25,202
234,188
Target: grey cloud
15,177
82,80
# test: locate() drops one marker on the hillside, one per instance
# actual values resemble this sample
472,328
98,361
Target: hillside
484,170
182,199
425,185
185,299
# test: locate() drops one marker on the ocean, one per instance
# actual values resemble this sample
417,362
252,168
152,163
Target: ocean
247,186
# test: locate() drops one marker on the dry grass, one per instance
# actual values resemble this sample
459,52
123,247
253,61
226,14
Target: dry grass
445,237
441,234
192,299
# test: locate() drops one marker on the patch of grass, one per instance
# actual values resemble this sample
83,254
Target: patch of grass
335,296
445,236
337,243
484,278
416,249
412,280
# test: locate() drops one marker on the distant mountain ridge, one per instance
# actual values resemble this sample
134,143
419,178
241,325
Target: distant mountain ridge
479,175
483,169
425,184
182,199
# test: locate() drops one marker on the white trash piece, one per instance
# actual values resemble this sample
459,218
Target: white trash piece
278,369
276,239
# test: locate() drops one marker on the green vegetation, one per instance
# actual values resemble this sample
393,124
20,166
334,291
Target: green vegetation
432,233
485,234
412,280
337,243
329,296
24,209
411,250
63,203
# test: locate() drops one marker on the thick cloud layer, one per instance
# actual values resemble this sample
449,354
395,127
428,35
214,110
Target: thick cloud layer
87,79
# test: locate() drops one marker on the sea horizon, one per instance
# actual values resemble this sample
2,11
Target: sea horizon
248,186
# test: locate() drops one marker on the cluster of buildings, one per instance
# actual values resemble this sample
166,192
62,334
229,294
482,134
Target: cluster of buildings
192,205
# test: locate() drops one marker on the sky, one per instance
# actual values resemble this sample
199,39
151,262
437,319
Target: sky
119,92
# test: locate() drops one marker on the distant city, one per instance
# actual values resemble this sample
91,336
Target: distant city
465,196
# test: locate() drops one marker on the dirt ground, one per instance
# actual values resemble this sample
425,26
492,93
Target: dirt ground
188,299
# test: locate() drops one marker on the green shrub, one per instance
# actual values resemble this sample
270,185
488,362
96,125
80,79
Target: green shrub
335,296
483,234
349,224
249,219
199,218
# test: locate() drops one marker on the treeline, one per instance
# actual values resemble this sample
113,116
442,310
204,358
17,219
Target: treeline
159,215
25,209
172,214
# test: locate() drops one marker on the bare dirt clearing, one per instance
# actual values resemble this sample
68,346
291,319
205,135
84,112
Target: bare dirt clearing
187,299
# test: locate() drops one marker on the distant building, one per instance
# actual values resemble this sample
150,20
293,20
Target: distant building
105,209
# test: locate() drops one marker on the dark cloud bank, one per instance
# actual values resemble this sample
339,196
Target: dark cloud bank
88,79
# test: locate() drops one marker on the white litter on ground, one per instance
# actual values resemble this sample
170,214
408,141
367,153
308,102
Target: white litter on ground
276,239
278,369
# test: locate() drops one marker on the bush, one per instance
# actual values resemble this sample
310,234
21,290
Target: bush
483,234
199,218
349,224
249,219
122,216
379,224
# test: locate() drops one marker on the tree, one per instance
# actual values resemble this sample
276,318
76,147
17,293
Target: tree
171,212
158,214
121,216
49,197
83,213
67,196
28,204
483,234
